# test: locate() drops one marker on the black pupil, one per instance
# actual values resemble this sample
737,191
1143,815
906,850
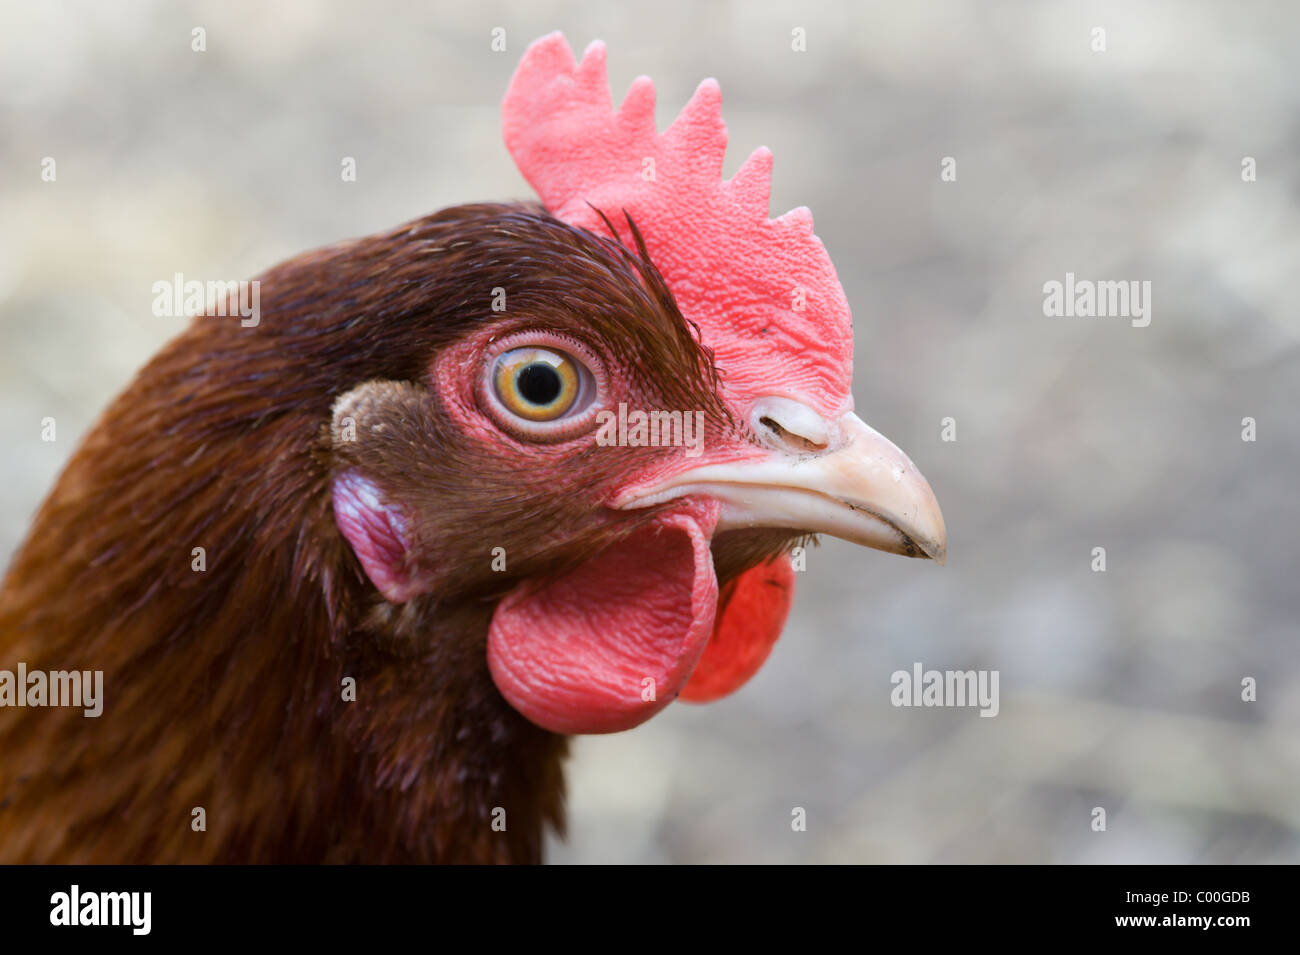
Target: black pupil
539,383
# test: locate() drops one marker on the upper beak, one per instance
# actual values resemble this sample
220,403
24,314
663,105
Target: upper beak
843,478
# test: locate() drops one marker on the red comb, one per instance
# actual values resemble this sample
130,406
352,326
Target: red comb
762,291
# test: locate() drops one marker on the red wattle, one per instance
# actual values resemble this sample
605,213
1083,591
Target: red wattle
751,613
611,643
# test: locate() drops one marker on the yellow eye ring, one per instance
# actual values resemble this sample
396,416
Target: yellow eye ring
536,384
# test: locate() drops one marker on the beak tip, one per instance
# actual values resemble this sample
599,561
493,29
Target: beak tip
936,551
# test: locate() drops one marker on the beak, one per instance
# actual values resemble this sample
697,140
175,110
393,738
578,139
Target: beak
840,478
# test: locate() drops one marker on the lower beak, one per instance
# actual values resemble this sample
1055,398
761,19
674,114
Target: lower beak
861,488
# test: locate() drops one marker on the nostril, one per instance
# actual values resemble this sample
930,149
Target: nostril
795,442
789,425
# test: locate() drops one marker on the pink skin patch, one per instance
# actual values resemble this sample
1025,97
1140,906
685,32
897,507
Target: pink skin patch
613,642
374,531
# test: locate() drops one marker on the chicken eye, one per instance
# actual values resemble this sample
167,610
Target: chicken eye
537,384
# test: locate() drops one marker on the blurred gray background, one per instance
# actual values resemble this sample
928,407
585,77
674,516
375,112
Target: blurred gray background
1119,689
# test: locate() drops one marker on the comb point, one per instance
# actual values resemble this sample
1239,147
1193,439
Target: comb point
638,109
590,74
698,136
751,186
798,219
549,53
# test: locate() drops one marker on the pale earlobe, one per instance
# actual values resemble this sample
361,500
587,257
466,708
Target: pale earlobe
375,531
